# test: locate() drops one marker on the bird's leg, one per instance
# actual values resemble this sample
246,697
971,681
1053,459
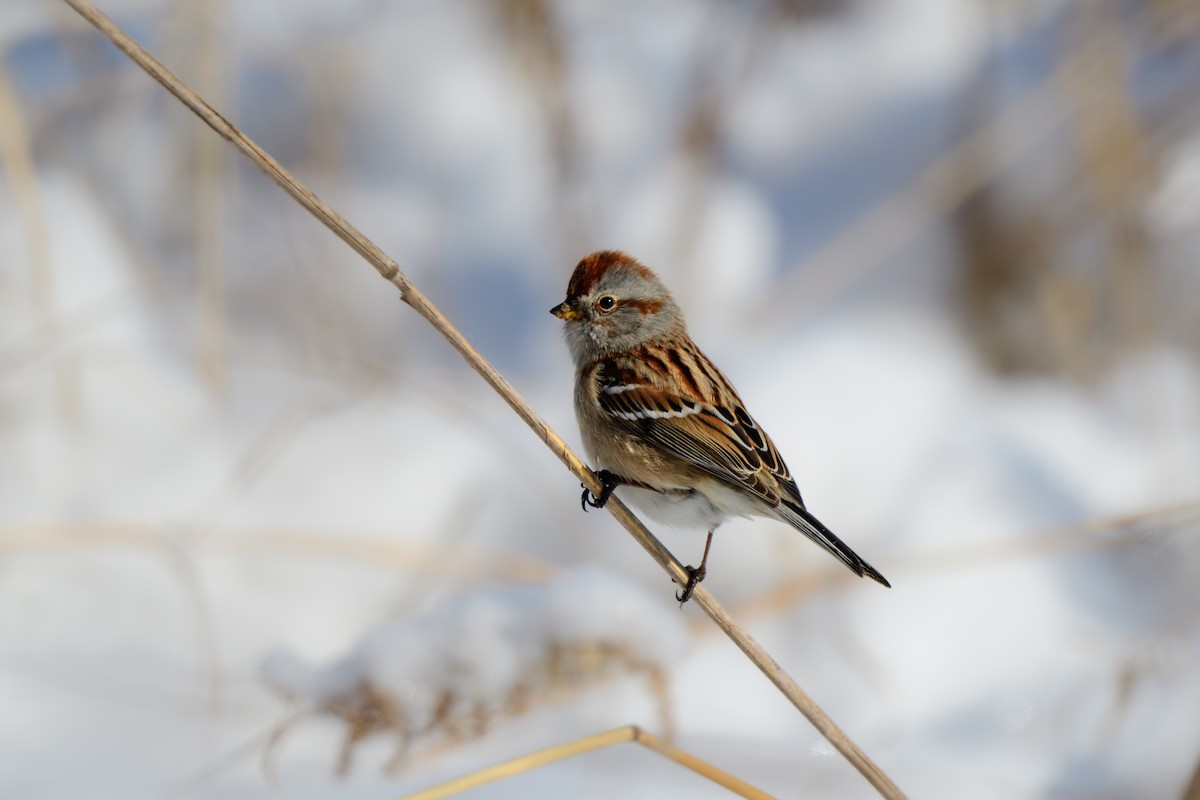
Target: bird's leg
695,574
609,481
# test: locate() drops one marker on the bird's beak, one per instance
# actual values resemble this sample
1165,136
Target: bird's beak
566,311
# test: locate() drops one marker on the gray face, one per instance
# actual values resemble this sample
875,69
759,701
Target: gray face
624,309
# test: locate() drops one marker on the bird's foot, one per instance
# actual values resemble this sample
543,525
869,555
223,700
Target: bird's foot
695,575
608,481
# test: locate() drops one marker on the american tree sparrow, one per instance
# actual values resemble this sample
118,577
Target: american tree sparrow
658,419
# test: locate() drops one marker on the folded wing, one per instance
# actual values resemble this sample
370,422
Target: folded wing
680,402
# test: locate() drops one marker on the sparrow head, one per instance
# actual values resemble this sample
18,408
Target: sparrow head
614,303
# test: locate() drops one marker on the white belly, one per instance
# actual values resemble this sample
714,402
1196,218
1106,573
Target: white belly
702,508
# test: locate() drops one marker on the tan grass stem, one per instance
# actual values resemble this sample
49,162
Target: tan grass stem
390,271
211,200
575,747
16,162
459,561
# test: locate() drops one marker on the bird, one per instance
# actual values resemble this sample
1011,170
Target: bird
663,424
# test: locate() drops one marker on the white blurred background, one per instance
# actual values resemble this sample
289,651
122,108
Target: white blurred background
945,248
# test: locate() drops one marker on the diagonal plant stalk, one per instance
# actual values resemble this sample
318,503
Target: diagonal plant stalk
576,747
409,293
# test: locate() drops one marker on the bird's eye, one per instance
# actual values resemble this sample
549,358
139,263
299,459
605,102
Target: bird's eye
606,303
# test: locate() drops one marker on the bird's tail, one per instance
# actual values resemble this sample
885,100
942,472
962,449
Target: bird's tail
811,527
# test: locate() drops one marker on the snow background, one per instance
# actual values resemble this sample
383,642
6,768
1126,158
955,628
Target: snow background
169,517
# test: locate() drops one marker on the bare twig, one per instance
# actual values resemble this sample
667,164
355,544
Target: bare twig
390,271
575,747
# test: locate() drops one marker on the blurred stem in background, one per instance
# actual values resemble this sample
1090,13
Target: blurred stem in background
211,197
16,157
1060,275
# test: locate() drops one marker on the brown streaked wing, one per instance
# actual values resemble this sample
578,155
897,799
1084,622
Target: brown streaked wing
771,459
714,437
726,396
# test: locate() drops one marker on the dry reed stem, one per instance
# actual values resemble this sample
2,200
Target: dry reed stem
565,750
1117,173
1055,541
1060,540
211,200
16,158
409,293
429,558
656,683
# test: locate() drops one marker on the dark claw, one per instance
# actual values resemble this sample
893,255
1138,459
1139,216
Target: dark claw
607,480
694,577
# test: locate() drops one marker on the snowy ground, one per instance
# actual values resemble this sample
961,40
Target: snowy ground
345,480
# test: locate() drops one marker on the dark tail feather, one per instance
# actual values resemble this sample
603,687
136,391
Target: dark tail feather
811,527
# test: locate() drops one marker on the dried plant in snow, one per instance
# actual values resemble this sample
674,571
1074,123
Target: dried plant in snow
446,676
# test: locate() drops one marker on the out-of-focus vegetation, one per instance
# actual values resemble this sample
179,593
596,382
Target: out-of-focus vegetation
946,249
